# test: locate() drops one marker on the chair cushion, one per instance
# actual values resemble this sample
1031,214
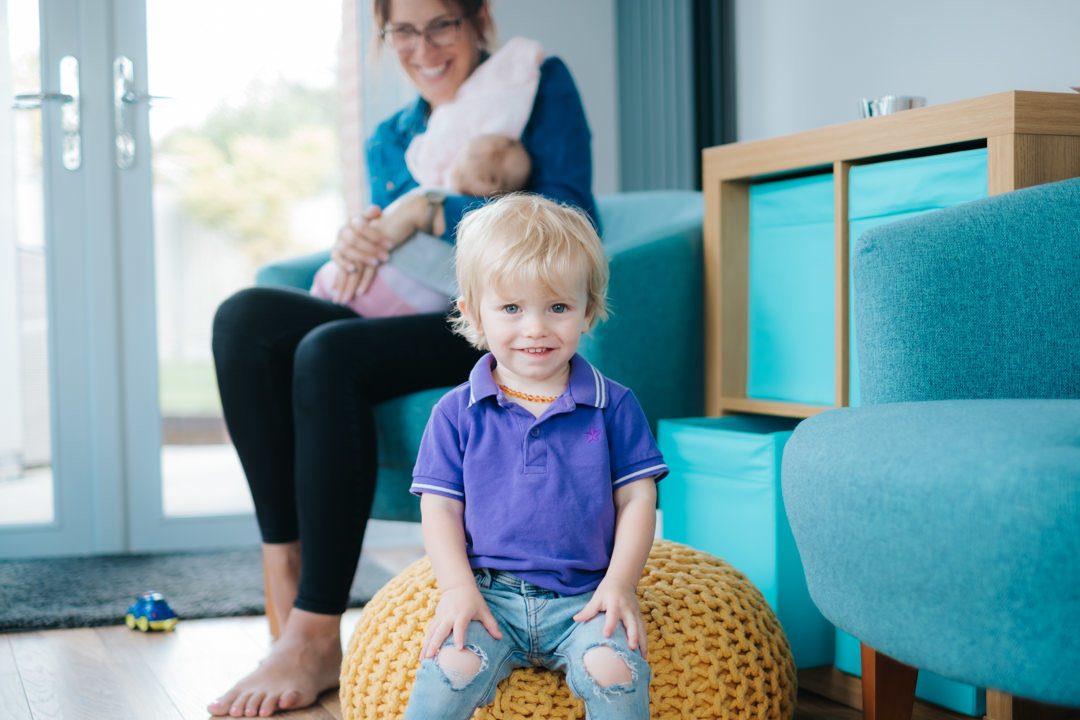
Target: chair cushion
947,535
716,649
653,242
400,422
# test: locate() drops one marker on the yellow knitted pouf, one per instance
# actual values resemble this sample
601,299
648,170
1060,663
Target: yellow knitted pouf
716,648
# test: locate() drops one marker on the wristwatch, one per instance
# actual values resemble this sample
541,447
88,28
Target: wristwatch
434,200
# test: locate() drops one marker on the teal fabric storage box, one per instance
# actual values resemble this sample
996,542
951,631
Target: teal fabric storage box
790,348
956,696
723,496
885,192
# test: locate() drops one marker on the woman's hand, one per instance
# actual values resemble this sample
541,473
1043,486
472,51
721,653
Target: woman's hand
620,603
360,248
368,239
457,608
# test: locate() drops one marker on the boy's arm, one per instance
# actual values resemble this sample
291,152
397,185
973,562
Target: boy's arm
635,525
443,528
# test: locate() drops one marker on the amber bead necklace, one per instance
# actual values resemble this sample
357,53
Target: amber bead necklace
528,396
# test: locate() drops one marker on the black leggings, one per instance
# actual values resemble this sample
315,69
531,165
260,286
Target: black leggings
298,377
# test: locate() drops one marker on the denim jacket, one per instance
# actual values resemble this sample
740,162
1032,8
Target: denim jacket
557,137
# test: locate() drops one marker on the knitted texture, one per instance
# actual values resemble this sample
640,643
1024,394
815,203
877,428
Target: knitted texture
716,648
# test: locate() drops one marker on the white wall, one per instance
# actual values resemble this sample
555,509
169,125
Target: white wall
582,34
803,64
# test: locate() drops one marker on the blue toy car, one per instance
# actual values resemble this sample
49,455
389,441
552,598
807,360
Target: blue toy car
151,612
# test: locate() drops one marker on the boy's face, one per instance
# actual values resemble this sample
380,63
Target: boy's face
533,330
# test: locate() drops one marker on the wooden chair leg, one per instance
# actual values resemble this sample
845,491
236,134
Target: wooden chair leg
888,686
271,615
999,705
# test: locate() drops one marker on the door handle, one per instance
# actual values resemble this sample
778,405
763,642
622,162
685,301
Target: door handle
70,116
124,98
32,101
131,97
123,113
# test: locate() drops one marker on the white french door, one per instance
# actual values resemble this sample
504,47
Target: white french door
148,212
63,482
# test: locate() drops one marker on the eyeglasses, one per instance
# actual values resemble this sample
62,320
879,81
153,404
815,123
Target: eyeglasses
439,33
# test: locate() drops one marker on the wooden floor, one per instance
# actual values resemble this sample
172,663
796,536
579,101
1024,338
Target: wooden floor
113,673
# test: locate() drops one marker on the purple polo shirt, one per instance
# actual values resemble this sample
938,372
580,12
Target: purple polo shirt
538,492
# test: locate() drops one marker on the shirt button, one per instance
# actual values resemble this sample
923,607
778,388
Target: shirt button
535,432
389,186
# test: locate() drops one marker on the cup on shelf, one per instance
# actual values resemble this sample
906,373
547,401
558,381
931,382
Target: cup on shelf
873,107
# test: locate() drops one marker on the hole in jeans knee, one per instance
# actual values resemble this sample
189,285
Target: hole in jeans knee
460,666
607,668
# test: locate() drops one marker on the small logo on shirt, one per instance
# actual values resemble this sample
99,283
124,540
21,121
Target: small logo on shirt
592,435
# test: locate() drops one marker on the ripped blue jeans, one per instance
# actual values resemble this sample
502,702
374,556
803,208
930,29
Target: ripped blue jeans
538,630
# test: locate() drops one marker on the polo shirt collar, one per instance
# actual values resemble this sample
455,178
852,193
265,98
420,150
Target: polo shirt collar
587,385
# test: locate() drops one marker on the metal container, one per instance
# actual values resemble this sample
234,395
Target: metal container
872,107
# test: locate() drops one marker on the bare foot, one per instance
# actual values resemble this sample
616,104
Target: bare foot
304,662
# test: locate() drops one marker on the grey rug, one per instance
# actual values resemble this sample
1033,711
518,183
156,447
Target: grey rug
91,591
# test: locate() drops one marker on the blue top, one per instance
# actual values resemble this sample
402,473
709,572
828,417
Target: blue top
557,138
538,492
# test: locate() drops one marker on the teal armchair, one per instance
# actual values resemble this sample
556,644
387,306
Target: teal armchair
939,523
652,342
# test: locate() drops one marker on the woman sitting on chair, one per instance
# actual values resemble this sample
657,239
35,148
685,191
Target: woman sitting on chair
299,375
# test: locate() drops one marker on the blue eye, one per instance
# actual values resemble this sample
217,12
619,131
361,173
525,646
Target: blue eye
559,308
510,309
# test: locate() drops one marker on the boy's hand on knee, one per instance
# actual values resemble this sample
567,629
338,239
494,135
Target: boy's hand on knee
457,608
619,603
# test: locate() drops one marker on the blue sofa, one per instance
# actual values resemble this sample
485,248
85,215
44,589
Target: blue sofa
652,342
939,523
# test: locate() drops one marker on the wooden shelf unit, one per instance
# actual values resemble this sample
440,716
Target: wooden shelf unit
1030,137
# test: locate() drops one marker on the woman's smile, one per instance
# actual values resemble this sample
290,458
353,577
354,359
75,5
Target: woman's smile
433,72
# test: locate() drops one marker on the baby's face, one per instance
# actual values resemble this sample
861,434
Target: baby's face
491,165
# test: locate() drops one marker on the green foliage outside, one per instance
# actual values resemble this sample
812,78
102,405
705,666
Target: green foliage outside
246,165
239,173
188,389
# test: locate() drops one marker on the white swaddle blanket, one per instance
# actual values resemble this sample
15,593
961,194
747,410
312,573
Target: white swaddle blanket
497,99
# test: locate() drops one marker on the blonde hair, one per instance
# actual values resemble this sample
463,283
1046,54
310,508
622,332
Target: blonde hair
522,238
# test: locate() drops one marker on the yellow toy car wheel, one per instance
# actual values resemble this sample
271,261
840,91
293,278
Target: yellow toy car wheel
165,625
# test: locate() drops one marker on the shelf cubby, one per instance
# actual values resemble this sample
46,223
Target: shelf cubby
1029,138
